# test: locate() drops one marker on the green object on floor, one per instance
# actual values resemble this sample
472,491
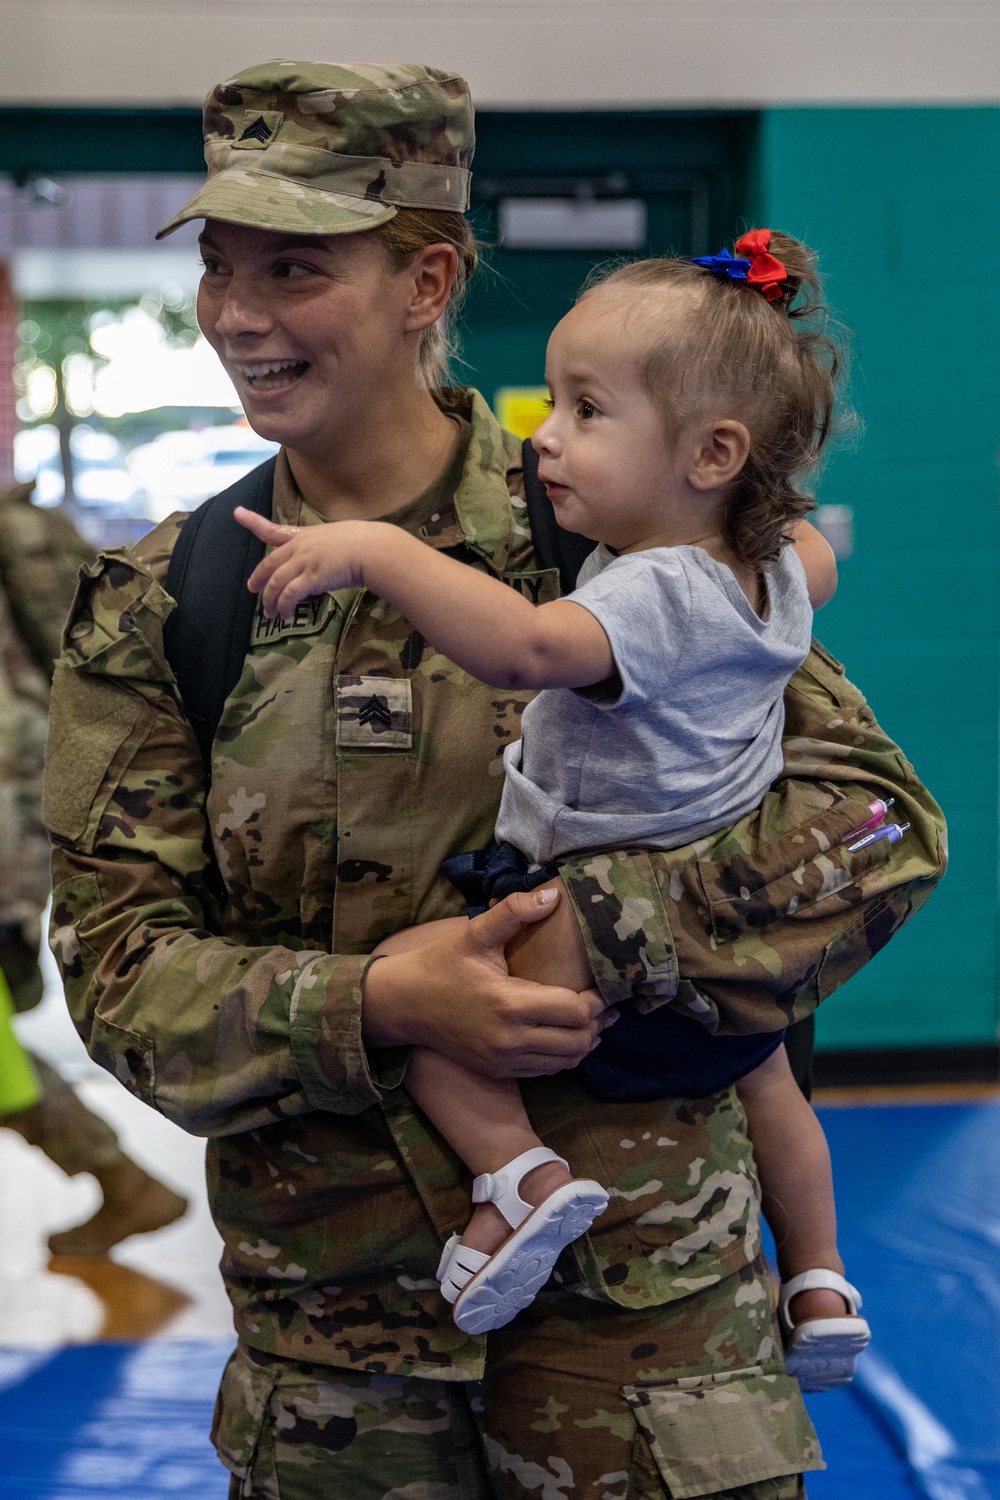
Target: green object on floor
19,1086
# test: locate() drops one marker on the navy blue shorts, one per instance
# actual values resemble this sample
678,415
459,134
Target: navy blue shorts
655,1056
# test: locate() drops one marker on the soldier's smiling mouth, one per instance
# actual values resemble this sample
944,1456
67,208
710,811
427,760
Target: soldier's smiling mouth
261,376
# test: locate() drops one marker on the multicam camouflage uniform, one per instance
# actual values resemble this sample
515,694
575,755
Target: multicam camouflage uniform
41,553
224,988
40,556
214,943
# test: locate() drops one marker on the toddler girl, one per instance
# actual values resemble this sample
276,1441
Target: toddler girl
686,396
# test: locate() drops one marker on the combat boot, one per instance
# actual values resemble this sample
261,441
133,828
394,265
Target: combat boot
77,1140
134,1203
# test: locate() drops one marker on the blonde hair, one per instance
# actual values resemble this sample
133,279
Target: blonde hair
775,364
404,236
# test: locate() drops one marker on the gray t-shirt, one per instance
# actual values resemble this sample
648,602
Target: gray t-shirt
692,741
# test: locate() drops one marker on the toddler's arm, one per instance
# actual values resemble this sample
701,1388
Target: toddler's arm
817,557
478,622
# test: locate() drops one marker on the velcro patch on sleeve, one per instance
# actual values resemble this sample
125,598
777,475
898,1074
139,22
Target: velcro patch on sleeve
93,719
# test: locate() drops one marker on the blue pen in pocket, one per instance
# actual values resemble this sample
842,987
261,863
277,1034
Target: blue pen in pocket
893,832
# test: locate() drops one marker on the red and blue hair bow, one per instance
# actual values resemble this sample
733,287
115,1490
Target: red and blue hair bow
752,263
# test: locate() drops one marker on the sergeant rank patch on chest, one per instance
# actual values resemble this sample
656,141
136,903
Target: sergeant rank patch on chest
374,713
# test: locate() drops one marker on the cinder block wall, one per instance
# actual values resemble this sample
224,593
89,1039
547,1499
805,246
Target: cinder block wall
904,209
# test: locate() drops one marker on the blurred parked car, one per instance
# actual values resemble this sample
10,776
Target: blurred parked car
101,480
178,470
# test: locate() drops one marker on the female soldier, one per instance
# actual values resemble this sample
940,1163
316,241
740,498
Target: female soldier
213,923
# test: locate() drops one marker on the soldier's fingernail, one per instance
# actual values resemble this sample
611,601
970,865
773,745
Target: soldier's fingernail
545,896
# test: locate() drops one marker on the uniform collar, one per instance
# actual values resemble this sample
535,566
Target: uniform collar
479,515
482,499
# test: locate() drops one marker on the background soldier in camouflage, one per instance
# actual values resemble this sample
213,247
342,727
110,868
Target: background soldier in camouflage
40,556
214,932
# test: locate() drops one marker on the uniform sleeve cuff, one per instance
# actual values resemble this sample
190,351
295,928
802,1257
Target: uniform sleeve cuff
623,918
326,1041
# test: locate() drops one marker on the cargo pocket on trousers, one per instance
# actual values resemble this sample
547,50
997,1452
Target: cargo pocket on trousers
713,1433
241,1409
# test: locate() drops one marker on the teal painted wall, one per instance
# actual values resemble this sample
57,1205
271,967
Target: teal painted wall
517,300
903,206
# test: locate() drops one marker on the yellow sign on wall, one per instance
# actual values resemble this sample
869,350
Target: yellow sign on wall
521,408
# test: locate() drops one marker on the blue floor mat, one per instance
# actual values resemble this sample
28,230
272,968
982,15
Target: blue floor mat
863,1461
111,1422
918,1200
918,1193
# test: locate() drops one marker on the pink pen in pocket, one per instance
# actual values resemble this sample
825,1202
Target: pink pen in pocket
878,810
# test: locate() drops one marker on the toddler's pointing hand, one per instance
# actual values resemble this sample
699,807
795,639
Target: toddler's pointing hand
305,560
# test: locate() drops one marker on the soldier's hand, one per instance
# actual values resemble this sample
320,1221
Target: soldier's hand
456,996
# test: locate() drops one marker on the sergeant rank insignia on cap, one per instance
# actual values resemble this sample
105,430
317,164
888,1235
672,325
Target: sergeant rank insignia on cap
259,129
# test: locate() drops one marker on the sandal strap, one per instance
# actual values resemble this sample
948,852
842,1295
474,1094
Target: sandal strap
446,1255
457,1266
817,1280
501,1187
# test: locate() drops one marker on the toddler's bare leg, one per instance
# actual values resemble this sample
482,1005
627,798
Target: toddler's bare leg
484,1119
549,952
486,1124
796,1180
553,951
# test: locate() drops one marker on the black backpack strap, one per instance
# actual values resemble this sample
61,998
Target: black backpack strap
207,636
556,548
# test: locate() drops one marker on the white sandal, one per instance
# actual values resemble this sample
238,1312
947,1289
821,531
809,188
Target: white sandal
489,1290
821,1352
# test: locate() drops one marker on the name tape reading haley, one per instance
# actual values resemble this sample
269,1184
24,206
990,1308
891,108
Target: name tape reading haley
309,617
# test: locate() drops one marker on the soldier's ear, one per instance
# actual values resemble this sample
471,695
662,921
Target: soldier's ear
431,274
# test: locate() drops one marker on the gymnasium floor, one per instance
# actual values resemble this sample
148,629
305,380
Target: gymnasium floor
108,1369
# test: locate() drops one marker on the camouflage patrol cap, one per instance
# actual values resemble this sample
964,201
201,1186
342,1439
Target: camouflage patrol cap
330,148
